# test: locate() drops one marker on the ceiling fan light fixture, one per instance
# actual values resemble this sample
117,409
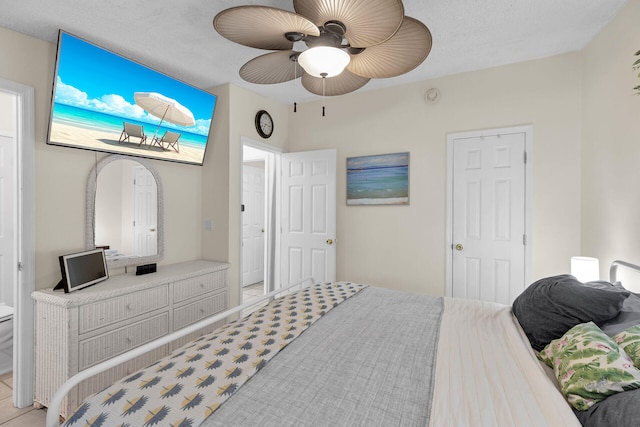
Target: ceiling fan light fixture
324,61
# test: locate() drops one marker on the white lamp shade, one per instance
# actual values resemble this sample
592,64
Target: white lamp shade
585,269
324,61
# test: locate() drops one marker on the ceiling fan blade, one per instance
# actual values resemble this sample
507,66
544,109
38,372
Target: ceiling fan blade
262,27
343,83
403,52
367,22
276,67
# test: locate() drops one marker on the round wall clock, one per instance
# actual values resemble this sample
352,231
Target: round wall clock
264,124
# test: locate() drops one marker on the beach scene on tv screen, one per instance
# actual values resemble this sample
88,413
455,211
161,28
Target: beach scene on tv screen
105,102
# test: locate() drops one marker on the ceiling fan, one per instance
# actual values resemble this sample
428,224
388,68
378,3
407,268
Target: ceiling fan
362,40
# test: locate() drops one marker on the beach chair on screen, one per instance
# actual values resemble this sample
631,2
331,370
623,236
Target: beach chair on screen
170,139
131,130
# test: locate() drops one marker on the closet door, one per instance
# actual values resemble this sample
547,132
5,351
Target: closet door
488,217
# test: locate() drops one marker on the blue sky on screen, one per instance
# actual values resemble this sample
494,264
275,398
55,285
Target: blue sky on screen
93,78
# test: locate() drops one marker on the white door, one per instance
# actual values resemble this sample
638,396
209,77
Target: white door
308,217
488,216
8,220
145,212
253,226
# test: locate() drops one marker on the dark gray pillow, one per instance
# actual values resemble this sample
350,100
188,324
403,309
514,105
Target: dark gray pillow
621,409
629,314
553,305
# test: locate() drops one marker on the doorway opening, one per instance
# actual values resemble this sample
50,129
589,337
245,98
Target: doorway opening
17,134
260,209
299,217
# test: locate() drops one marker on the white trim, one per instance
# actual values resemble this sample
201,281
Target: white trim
23,320
528,198
260,145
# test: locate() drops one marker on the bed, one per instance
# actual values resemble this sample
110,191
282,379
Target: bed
350,354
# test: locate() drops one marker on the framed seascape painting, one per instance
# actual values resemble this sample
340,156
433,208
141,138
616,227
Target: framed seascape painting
378,180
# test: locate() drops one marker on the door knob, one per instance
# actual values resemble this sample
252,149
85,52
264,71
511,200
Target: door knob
459,247
329,241
152,230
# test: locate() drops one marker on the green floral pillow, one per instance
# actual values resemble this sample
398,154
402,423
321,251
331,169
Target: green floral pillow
589,366
629,341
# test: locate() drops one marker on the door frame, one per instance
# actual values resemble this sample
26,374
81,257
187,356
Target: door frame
528,197
271,252
23,376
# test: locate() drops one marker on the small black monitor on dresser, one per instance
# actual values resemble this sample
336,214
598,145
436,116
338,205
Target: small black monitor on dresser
82,269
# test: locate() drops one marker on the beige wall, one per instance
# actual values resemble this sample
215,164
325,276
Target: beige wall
611,143
222,174
404,246
61,173
568,99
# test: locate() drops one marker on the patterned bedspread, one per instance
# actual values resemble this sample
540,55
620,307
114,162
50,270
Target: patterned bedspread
191,383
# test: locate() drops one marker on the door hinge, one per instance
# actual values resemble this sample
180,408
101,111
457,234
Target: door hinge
525,157
524,239
20,266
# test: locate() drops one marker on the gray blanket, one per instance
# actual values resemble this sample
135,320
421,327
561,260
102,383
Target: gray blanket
368,362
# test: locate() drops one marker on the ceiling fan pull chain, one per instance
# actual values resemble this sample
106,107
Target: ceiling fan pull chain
294,59
324,77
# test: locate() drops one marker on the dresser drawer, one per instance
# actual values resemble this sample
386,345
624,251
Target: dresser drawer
103,347
198,310
99,314
199,285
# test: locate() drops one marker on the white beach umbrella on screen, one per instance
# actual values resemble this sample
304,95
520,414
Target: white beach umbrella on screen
165,108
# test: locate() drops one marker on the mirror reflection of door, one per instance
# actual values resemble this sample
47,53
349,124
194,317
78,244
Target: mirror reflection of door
119,204
145,213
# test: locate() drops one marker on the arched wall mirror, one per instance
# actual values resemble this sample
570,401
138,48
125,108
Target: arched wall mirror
125,212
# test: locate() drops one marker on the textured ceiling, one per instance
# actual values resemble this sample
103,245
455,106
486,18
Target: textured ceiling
178,39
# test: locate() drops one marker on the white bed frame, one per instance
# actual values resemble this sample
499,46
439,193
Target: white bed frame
630,276
630,271
53,410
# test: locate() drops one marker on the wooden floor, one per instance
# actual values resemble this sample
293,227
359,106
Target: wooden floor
28,417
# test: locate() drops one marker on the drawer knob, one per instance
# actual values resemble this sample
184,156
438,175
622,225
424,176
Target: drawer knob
129,340
202,310
202,285
128,306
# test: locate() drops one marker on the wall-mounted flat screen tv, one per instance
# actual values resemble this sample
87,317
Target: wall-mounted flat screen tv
104,102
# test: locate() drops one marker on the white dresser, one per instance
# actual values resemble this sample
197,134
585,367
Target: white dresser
77,330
